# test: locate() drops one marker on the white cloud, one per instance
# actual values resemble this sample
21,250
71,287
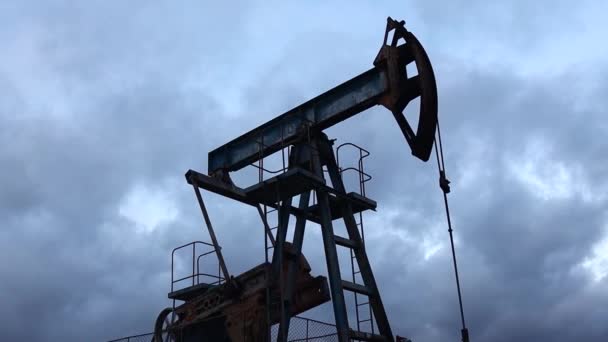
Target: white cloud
597,262
545,41
148,207
549,178
382,227
431,247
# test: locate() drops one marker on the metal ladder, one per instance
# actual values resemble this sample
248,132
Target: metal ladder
354,241
360,305
363,309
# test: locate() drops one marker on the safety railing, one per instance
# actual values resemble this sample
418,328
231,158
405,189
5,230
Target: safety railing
285,150
264,171
136,338
195,276
301,329
363,176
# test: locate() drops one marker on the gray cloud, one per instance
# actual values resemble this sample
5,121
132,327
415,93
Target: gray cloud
99,101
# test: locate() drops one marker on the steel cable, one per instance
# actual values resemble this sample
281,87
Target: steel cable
445,187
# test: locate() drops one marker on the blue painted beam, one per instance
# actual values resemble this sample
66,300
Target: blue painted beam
323,111
386,84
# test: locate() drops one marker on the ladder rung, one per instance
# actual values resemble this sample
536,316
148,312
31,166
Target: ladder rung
361,304
364,336
357,272
365,320
347,285
345,242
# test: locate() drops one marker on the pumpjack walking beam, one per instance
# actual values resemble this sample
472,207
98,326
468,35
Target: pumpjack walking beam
386,84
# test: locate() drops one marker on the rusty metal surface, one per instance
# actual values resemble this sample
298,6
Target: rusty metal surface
394,57
241,315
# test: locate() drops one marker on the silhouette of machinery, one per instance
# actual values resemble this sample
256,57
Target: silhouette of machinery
244,307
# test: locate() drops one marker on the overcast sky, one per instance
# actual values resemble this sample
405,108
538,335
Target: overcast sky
105,104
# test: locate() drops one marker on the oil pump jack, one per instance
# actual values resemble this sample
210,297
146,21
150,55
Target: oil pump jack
244,307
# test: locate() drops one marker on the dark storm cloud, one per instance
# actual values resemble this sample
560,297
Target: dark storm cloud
142,96
519,254
75,265
69,190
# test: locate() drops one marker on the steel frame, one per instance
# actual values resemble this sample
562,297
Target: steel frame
386,84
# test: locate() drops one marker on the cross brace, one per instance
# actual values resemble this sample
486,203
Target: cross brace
322,154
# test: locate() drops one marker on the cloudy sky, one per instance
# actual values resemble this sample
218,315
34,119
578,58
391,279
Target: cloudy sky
104,105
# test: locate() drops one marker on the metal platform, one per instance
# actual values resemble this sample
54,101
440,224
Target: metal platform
290,183
286,185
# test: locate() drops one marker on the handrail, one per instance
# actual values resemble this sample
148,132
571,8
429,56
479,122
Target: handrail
368,177
363,176
219,271
195,265
355,146
282,149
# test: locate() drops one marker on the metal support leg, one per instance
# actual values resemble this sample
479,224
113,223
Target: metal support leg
218,249
277,255
284,213
353,232
333,267
331,254
298,240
